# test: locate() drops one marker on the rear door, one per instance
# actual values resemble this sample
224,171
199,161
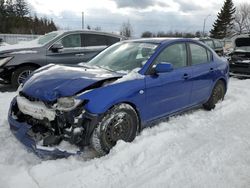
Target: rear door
169,92
203,72
95,43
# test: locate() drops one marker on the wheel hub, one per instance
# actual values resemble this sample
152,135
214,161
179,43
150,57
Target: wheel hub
118,129
218,94
23,75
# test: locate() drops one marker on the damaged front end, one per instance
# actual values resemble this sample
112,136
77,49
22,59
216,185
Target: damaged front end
240,64
54,129
240,57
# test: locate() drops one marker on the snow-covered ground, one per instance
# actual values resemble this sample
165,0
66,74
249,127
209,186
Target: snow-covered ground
197,149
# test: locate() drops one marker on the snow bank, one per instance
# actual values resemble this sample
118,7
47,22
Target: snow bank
196,149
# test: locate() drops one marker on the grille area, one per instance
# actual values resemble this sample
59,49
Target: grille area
33,99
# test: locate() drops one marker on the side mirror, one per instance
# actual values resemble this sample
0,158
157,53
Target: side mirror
56,47
163,67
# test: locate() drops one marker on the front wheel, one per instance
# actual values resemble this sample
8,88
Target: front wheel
119,123
20,74
218,94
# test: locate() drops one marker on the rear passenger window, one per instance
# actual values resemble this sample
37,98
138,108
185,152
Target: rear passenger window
94,40
71,41
198,54
175,54
111,40
99,40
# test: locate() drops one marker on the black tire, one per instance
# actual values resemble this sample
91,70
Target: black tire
217,95
20,74
119,123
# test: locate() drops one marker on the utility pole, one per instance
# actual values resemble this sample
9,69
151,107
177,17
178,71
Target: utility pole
204,25
82,20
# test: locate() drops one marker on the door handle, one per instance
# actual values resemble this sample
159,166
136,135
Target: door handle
185,76
79,55
211,69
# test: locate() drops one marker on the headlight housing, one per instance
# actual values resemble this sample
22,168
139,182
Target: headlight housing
5,60
67,103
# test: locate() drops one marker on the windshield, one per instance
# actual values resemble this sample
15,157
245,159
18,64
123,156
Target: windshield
47,37
124,56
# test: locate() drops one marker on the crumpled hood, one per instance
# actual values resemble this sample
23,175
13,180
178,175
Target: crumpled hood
55,81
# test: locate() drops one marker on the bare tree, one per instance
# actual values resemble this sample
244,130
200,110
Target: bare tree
126,29
242,18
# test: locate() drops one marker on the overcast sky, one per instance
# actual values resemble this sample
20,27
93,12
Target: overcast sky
144,15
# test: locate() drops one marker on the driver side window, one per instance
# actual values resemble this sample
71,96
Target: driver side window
71,41
175,54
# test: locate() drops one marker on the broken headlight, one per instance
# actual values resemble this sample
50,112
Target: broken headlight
67,103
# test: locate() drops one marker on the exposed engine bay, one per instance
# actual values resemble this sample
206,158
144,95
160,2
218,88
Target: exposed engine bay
49,128
54,123
53,117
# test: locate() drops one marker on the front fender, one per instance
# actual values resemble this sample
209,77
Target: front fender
101,99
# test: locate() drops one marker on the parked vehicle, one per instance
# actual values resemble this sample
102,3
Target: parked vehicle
239,58
127,87
17,62
215,44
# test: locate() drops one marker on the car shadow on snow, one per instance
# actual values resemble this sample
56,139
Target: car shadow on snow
6,88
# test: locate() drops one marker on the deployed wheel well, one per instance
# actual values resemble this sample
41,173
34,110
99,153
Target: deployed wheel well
19,73
137,112
27,64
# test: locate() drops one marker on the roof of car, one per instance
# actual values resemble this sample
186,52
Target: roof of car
160,40
91,32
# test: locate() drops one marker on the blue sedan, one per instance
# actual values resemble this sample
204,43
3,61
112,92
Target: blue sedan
127,87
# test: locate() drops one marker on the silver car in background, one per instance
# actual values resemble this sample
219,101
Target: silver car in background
18,61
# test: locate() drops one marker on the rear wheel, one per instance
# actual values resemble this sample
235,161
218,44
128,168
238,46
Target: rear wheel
119,123
20,74
218,94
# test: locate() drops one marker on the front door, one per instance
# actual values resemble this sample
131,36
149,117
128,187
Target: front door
72,52
169,92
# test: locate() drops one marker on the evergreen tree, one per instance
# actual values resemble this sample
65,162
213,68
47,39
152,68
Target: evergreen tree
223,25
2,15
14,19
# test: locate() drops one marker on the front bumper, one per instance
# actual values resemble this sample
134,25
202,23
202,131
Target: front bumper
240,70
20,131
